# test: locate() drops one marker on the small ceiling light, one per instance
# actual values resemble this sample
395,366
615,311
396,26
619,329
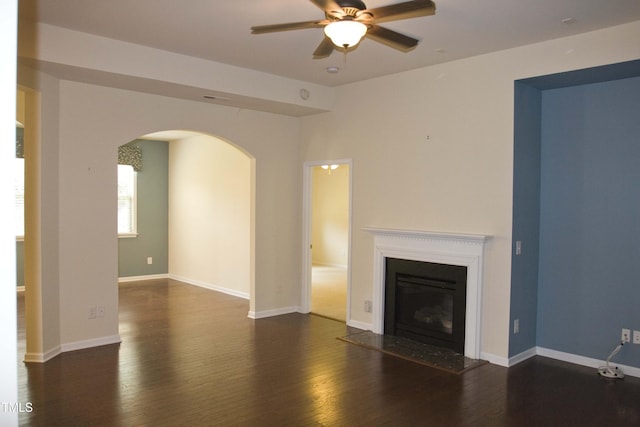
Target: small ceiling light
345,33
329,167
333,69
568,20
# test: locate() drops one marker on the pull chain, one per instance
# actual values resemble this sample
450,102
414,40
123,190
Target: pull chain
344,60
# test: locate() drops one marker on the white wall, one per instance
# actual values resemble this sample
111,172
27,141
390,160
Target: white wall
210,214
433,150
8,365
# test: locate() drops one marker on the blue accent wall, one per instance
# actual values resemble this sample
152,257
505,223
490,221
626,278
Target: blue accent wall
526,217
153,216
589,273
576,210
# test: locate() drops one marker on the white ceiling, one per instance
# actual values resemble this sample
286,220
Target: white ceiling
219,30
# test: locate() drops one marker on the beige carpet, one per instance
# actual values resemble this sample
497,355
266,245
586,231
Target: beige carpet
329,292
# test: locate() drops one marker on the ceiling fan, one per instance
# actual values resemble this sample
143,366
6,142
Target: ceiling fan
348,21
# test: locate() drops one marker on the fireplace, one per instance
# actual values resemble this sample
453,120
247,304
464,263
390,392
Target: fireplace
426,302
465,251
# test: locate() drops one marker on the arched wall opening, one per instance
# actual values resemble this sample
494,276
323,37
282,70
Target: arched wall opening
194,205
77,143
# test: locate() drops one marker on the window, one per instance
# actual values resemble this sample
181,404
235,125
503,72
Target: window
126,201
18,181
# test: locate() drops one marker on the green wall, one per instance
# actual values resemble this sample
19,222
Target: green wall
153,221
152,240
20,263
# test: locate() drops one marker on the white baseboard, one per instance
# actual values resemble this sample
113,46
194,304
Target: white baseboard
494,359
78,345
274,312
564,357
42,357
94,342
188,281
211,286
141,278
585,361
360,325
527,354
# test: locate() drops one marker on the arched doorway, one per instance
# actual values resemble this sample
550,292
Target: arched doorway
194,207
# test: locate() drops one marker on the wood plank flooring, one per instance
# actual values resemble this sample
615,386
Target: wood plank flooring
329,292
191,357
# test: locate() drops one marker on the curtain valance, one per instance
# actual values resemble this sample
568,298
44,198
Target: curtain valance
130,155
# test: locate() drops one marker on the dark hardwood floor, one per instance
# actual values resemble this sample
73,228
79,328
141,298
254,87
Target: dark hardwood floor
191,357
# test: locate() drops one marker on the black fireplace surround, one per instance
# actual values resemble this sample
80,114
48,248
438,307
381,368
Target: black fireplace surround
426,302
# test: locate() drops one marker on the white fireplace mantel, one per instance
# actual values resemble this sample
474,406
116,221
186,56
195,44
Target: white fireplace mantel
436,247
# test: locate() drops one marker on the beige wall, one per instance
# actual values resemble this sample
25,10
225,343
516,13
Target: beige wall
20,105
41,245
330,216
87,57
210,214
432,149
88,134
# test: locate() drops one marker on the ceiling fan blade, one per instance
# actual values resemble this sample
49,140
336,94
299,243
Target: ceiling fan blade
324,49
263,29
391,38
406,10
327,5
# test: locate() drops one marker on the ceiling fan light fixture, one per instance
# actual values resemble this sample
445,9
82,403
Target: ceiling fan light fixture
345,33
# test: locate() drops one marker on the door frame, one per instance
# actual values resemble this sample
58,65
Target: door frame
307,190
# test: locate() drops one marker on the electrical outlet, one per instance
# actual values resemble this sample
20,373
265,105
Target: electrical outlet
367,306
149,260
516,326
636,337
92,312
518,247
626,335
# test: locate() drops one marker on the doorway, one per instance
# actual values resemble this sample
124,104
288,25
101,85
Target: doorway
327,226
188,172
